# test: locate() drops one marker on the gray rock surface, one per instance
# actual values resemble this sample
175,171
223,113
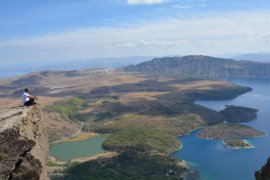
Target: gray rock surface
23,143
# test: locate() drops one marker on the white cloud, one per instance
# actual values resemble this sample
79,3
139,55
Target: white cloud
180,6
126,45
145,1
232,32
143,42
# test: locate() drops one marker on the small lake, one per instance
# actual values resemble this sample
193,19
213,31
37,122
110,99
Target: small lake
70,150
212,159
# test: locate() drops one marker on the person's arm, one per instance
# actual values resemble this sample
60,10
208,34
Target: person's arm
32,97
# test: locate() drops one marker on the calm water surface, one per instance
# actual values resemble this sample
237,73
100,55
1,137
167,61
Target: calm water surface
70,150
215,161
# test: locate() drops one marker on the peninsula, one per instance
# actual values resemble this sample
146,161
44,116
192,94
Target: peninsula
229,131
239,114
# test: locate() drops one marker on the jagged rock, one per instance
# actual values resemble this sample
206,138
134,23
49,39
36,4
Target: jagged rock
264,173
23,143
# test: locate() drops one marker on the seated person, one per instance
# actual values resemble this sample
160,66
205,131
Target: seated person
28,99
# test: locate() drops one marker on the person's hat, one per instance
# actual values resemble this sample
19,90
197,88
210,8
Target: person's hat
26,90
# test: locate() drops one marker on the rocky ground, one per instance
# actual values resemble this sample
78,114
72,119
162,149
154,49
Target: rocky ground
24,145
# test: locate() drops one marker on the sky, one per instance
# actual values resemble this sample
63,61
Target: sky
38,31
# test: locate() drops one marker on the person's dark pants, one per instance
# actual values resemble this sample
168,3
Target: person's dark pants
30,102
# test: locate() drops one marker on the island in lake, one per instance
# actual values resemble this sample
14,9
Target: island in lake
229,131
231,134
237,144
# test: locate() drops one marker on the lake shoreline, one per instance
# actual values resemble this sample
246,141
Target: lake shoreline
76,138
232,158
84,159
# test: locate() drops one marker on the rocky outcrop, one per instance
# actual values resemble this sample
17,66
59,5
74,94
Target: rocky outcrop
264,173
202,67
23,144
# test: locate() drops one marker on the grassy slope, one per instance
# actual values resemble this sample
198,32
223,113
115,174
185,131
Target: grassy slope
177,125
69,109
143,140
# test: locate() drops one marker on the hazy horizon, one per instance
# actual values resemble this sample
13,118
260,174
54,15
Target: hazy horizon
66,30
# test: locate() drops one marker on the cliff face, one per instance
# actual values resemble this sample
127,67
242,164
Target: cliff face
23,143
264,173
202,66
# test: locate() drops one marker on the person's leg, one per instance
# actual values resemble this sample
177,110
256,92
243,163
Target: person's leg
26,103
30,102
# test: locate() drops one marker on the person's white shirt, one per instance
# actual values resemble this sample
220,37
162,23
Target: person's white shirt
25,97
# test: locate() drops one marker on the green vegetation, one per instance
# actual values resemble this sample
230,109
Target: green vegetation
69,109
128,165
237,143
177,125
239,114
209,116
160,107
141,139
229,131
50,164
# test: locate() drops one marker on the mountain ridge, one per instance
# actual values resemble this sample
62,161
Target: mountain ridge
203,67
258,57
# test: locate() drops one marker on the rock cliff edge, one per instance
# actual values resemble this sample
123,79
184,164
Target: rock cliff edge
23,143
264,173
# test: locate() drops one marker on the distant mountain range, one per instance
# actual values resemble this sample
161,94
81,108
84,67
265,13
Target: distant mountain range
113,62
196,66
203,67
258,57
109,62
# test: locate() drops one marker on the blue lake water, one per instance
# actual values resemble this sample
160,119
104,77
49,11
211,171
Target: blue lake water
212,159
